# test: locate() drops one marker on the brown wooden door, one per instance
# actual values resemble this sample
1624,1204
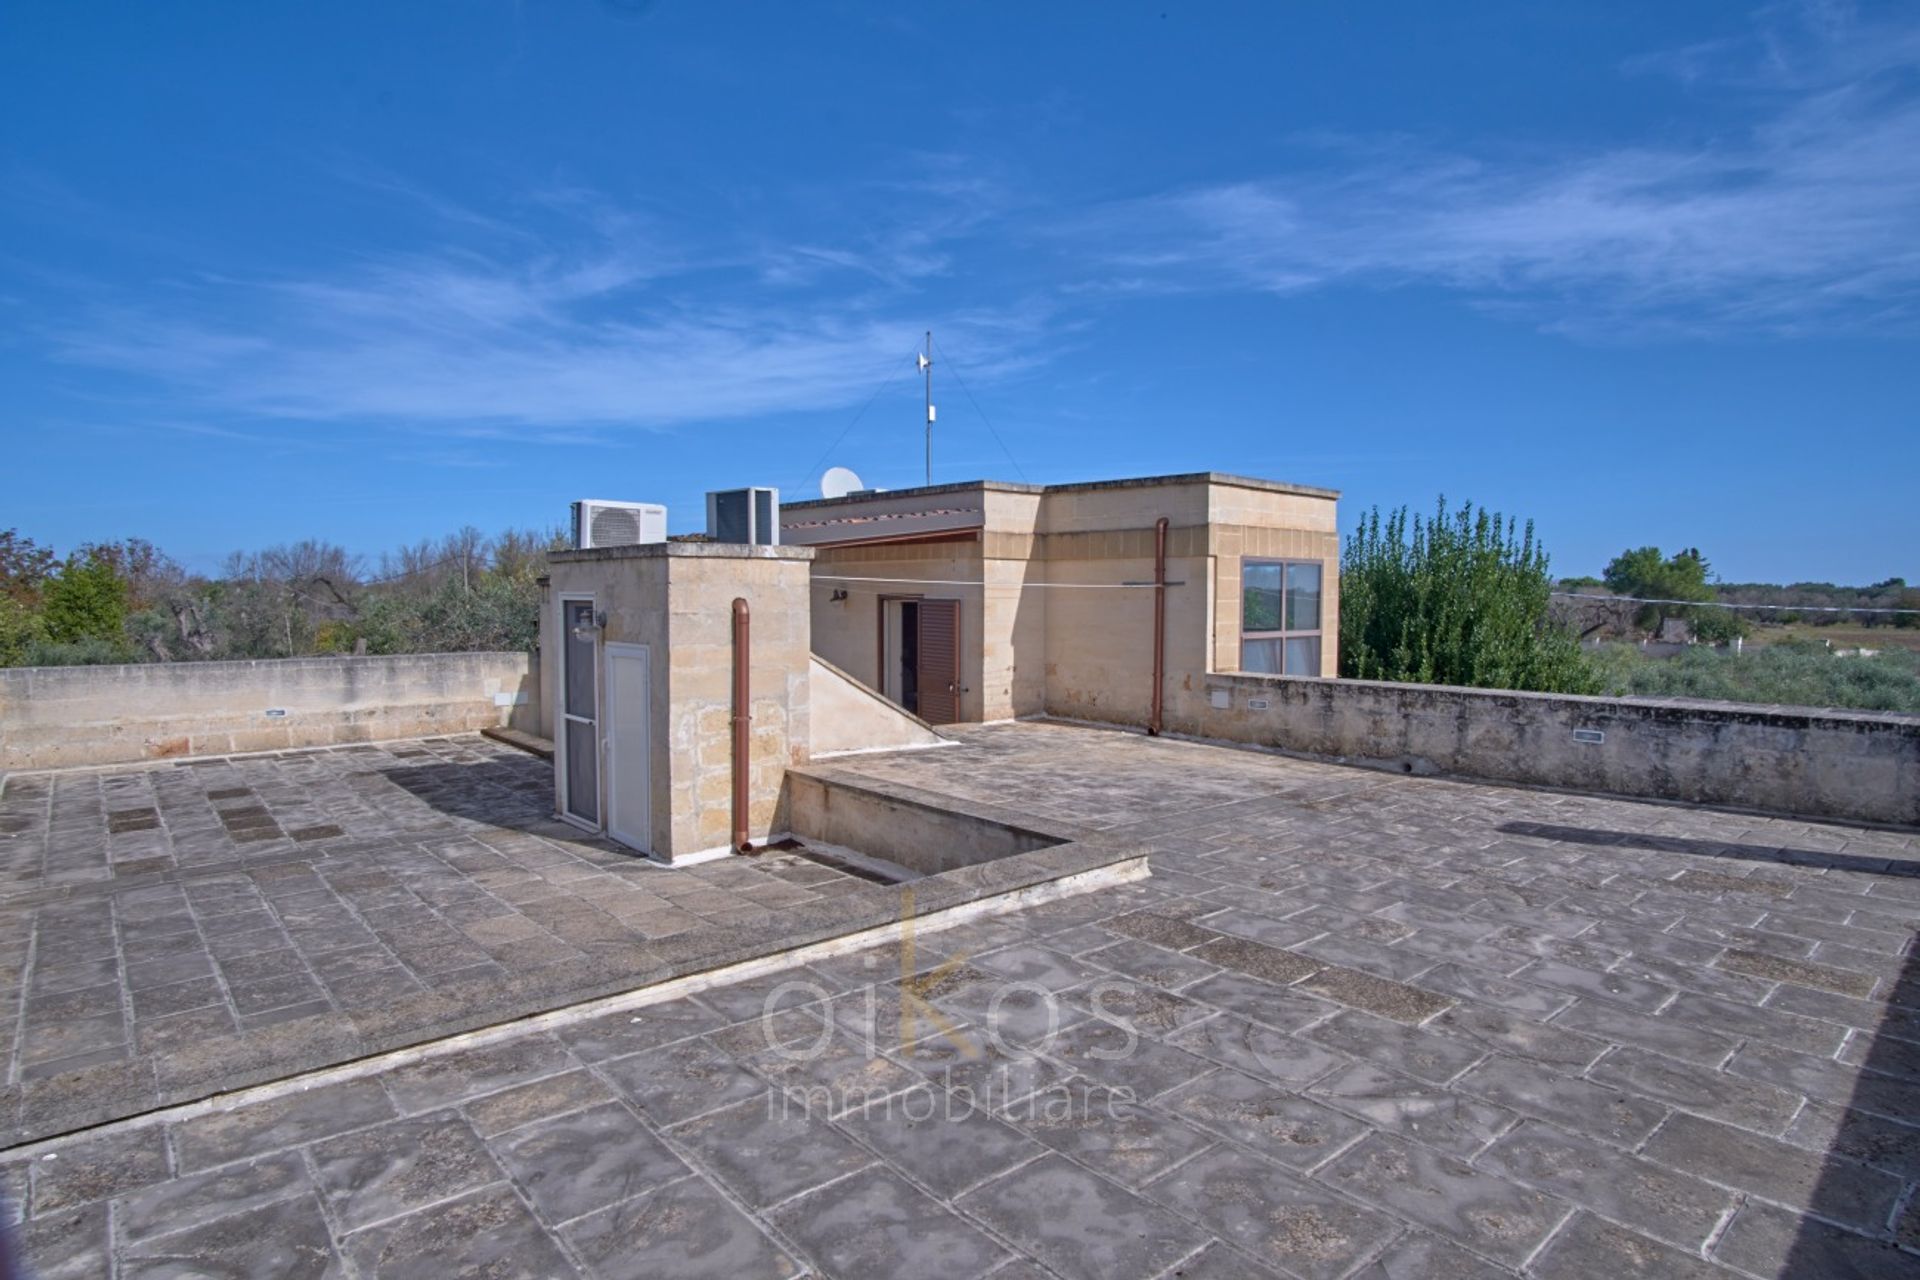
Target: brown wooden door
940,661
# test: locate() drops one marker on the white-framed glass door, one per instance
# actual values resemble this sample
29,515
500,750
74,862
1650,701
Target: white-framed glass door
578,724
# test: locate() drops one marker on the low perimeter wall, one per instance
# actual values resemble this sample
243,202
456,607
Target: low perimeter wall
1862,766
52,717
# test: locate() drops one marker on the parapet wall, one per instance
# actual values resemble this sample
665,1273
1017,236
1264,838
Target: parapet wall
1857,766
53,717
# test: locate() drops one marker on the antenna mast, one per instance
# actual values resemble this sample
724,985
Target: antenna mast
926,367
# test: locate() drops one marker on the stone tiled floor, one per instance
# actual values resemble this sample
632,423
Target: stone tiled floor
1367,1025
157,924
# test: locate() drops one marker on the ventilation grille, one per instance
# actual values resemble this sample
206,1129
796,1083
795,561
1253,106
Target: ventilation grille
615,527
751,516
618,524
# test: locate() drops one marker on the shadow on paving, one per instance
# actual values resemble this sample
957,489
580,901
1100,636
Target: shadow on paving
1888,1070
475,791
1712,848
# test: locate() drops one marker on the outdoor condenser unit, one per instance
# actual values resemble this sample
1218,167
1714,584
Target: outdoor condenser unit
617,524
744,515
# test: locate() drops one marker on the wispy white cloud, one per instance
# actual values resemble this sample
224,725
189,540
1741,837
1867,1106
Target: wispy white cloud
1806,220
593,323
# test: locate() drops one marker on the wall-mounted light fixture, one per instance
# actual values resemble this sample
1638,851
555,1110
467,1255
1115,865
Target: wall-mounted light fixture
839,594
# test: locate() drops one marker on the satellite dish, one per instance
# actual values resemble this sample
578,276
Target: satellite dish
838,483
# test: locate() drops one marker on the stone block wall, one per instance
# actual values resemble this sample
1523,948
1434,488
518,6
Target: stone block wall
676,598
56,717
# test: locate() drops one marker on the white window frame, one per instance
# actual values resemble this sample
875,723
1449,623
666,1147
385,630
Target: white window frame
1318,633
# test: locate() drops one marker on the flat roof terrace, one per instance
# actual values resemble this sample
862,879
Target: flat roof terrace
169,932
1354,1023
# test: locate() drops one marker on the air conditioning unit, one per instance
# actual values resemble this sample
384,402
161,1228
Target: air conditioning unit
617,524
751,516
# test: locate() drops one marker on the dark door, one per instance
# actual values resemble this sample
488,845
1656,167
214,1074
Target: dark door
939,664
910,655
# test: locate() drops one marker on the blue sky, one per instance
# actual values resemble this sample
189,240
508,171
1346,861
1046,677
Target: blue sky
369,272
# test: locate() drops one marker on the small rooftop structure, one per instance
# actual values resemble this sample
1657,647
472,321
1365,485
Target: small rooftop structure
987,600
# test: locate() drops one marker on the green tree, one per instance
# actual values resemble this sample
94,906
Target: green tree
1644,573
1681,584
494,611
1461,599
21,632
1713,625
86,601
24,567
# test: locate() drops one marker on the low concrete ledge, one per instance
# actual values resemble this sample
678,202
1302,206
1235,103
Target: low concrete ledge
1859,766
920,830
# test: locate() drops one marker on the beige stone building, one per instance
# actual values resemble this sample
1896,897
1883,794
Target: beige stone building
640,679
986,601
684,679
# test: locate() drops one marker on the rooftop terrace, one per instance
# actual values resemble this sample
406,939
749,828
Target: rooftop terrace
1354,1023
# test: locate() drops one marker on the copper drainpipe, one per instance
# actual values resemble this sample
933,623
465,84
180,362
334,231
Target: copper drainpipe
1159,621
741,718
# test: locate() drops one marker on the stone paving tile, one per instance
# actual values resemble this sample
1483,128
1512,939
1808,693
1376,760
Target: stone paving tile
1389,999
876,1224
1273,1119
1080,1226
451,1078
1418,1256
1285,1009
1445,1119
1871,1139
195,1200
1469,982
1490,1215
1692,1087
685,1230
395,1168
71,1244
1497,1031
573,1164
767,1150
487,1233
1290,1224
96,1168
1611,1115
1588,1246
1836,1188
1604,1023
495,1113
286,1238
1802,973
1258,1050
1656,1199
682,1080
1557,1127
1767,1240
1426,1054
220,1137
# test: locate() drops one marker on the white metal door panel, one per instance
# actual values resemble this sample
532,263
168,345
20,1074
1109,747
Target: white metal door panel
629,717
